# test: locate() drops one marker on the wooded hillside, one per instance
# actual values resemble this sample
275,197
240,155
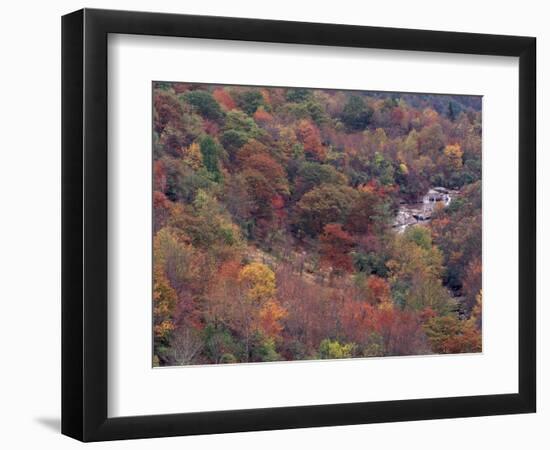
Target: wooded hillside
274,234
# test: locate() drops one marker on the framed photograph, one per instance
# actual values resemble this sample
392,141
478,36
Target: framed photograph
273,224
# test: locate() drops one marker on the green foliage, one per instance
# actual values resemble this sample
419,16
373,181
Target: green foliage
264,349
457,231
211,153
374,345
356,114
311,174
228,358
381,169
298,95
370,263
233,140
249,101
205,104
309,109
322,205
454,109
420,236
220,346
416,269
448,334
276,234
162,85
317,112
182,182
240,122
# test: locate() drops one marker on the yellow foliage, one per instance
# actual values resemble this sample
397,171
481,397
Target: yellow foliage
259,281
164,295
164,328
475,317
454,153
386,306
287,141
164,302
193,156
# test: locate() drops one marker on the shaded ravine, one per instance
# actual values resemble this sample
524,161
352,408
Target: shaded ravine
420,212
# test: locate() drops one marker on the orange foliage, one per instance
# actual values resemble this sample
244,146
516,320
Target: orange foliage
292,241
278,205
336,244
378,290
251,148
266,96
262,116
271,315
427,314
269,168
429,117
467,342
229,269
308,134
374,187
224,99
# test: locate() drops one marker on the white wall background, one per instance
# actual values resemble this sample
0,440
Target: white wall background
30,226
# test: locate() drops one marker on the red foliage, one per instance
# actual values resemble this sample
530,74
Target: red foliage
159,176
160,200
180,88
251,148
336,244
308,134
167,110
162,208
212,128
229,269
224,99
374,187
357,320
307,222
262,116
277,202
427,314
407,337
400,331
278,205
397,115
269,168
378,290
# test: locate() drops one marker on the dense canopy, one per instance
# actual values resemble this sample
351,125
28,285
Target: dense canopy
275,232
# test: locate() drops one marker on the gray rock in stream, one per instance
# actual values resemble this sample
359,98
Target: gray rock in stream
421,212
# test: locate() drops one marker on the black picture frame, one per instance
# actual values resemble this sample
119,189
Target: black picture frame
84,224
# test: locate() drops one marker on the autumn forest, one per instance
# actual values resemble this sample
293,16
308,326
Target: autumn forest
306,224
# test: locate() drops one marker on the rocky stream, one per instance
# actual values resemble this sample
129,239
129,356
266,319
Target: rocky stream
411,213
